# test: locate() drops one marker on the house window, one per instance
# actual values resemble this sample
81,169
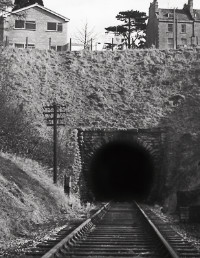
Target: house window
53,26
31,46
53,47
57,48
17,45
170,43
184,41
183,28
28,25
19,24
170,27
60,27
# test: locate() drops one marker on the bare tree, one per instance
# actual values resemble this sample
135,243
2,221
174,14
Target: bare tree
85,35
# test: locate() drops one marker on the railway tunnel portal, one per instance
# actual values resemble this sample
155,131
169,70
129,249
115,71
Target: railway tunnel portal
121,164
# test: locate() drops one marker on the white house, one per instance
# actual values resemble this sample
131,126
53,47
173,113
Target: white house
34,26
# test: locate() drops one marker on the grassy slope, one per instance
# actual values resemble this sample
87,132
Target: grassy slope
120,89
29,198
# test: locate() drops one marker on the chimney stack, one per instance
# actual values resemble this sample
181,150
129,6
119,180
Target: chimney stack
190,7
156,6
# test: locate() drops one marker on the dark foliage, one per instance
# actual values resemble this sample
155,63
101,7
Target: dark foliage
18,135
4,4
133,28
23,3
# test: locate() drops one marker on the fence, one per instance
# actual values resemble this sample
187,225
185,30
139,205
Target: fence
71,46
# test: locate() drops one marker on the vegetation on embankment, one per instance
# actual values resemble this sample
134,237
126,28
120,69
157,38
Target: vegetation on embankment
137,88
29,199
122,89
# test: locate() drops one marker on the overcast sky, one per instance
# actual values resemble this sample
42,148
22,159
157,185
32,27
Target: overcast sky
101,13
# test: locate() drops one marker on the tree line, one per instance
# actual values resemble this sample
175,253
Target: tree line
23,3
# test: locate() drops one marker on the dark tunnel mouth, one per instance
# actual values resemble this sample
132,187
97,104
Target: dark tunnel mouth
121,170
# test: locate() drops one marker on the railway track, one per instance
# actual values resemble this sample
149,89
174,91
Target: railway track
123,230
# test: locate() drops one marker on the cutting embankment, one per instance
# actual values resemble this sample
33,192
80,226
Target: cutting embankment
123,89
29,199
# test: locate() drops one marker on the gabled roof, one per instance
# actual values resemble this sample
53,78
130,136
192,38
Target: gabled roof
43,8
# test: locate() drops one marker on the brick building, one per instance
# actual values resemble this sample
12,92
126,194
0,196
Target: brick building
173,28
34,26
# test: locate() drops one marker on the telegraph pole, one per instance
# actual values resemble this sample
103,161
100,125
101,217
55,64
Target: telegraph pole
91,44
175,30
53,117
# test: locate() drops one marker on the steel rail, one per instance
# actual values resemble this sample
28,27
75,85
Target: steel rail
163,240
76,234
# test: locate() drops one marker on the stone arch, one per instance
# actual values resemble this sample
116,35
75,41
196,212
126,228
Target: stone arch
91,140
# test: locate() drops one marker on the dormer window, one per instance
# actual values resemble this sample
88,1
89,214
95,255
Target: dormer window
170,15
